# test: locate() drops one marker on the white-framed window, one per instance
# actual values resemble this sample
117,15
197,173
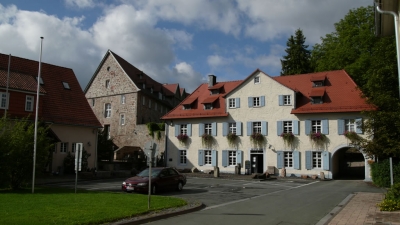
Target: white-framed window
182,156
288,159
29,103
256,127
232,103
63,147
123,99
317,160
150,104
107,84
257,80
107,108
207,157
208,128
287,127
232,158
256,102
183,129
287,100
73,146
122,119
316,126
143,100
3,100
232,128
350,125
93,102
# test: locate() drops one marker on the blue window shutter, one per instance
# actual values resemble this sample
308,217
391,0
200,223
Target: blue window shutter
279,127
224,129
214,129
340,126
201,157
264,128
280,99
239,156
239,128
325,126
296,160
250,102
308,160
262,100
296,127
177,130
308,126
189,130
237,102
279,159
249,128
201,129
359,125
325,160
214,157
224,158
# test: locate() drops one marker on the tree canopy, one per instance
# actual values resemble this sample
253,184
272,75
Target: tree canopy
297,60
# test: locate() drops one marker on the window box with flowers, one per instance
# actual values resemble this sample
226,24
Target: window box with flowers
231,137
288,138
207,140
182,138
353,137
318,139
257,139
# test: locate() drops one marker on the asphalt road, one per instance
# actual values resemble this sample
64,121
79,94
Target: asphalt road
283,201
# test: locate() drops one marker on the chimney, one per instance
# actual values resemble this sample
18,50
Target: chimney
212,79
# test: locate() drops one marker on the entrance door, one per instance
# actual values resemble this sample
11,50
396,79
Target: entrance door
257,162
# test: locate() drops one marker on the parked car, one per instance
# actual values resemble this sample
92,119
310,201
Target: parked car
162,178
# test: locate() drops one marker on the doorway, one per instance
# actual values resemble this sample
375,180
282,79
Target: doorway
348,163
257,161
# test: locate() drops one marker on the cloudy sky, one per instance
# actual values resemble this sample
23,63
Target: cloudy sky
174,41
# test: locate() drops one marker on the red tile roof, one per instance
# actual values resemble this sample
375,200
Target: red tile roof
341,93
170,89
60,106
19,81
210,99
317,92
202,94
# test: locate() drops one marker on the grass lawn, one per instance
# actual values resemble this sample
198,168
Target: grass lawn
63,206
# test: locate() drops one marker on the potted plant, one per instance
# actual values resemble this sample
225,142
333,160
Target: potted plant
206,140
317,138
288,138
257,139
182,138
231,139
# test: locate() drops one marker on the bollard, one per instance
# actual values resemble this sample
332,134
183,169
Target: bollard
216,171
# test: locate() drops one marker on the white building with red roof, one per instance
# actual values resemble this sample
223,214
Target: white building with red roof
323,105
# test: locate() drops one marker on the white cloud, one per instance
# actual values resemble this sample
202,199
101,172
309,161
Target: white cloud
80,3
188,76
215,61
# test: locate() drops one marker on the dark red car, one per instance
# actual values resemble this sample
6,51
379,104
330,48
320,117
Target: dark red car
162,178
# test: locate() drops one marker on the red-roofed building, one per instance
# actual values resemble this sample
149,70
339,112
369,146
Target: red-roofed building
124,99
62,105
326,104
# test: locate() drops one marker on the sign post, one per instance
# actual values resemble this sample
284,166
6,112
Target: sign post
78,161
149,149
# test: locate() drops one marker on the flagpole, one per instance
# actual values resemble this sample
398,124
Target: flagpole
36,116
8,78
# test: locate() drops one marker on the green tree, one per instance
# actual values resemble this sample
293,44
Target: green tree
16,151
297,60
349,47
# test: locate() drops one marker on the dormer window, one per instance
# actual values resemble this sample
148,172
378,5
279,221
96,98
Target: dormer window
317,95
318,83
66,85
215,92
318,80
208,106
257,80
186,107
316,100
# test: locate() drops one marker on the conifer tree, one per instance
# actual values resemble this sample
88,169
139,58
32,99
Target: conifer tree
297,60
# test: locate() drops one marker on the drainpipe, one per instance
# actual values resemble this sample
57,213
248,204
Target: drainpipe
396,30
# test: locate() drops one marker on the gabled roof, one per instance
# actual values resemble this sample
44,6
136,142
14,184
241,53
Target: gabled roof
171,89
340,92
202,94
59,105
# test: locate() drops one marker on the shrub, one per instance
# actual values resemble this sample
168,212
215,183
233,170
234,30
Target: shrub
380,172
392,199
